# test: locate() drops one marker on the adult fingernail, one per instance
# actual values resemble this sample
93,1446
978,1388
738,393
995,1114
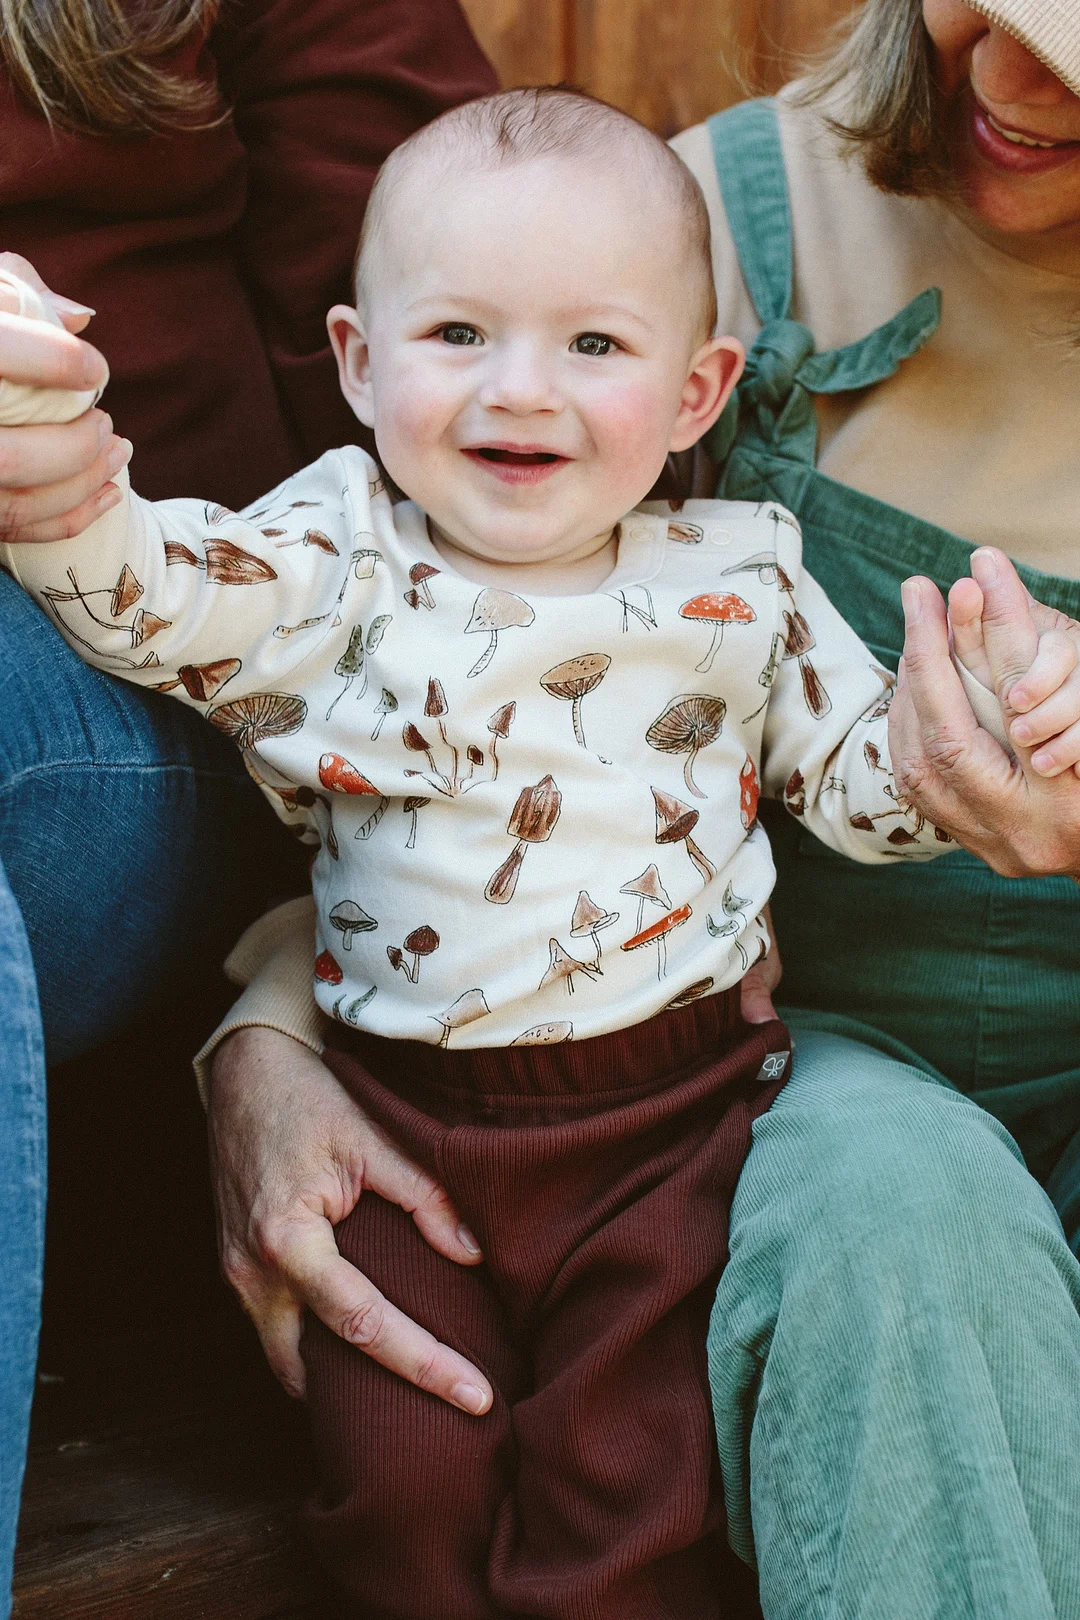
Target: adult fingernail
469,1398
467,1241
912,600
987,563
1020,731
119,455
70,304
1043,763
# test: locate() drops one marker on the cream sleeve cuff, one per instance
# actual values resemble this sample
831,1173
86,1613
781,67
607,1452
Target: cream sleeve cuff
272,959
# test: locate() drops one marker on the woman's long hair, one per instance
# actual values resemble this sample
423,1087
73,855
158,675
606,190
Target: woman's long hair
884,99
93,65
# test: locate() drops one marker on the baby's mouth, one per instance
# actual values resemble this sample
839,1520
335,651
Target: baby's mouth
513,465
518,458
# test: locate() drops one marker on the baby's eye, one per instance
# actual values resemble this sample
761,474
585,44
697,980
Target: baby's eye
461,335
594,343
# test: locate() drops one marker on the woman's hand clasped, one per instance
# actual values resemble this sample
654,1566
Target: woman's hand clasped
291,1155
1021,815
54,479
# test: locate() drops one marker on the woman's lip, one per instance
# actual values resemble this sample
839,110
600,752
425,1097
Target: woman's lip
997,149
515,471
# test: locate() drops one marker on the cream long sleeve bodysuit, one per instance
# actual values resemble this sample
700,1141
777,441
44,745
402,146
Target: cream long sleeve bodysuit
537,818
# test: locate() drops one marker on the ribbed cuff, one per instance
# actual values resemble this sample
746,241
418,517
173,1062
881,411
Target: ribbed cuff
273,959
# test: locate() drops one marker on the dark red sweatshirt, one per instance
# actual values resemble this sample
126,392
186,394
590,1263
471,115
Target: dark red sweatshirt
212,257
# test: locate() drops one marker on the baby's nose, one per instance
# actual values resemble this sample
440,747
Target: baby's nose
521,381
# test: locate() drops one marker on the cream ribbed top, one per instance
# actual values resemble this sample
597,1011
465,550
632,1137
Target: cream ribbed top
978,432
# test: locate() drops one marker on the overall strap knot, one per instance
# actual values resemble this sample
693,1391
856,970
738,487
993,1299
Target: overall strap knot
773,364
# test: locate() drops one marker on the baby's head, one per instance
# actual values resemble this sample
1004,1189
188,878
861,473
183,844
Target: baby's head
533,330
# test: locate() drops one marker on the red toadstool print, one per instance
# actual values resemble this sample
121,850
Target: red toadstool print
658,935
337,775
688,725
693,992
327,970
719,610
749,794
532,821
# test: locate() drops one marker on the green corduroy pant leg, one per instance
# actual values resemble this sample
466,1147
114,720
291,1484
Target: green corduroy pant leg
895,1356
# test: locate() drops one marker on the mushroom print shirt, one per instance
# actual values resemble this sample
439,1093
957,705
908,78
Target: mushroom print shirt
536,818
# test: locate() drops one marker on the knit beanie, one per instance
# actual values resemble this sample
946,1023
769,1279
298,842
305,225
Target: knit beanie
1049,28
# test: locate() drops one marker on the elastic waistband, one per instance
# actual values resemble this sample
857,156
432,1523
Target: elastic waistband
624,1062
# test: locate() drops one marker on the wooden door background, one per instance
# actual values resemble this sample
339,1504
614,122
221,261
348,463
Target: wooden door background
669,62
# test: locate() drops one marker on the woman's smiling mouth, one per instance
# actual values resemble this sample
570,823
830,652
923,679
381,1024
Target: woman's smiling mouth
1015,149
516,464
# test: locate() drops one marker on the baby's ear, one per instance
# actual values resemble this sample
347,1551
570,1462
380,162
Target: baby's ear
714,371
348,340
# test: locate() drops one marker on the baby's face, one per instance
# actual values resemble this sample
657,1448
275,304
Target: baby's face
528,351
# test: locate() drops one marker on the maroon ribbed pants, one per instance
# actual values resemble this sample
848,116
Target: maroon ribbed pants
597,1176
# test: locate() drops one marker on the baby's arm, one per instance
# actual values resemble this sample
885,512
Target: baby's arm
1042,705
186,597
825,749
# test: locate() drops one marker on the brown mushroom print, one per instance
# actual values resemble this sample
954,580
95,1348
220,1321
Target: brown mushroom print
647,887
349,919
250,720
202,682
719,610
685,534
768,674
413,804
589,920
423,941
532,821
310,537
562,967
499,726
658,935
122,596
552,1034
465,1010
675,822
495,611
798,642
227,564
688,725
176,553
420,595
763,564
693,992
795,794
573,681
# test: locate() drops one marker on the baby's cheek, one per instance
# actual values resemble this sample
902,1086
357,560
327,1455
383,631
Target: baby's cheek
630,428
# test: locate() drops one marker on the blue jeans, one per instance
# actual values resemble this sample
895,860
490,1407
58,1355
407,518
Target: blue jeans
133,849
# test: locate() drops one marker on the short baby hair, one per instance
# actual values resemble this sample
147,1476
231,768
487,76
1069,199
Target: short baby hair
519,126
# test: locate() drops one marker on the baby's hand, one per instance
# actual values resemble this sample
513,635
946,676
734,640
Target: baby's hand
1042,708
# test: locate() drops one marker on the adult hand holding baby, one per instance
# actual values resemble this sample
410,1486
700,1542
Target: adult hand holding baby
1022,818
54,477
291,1155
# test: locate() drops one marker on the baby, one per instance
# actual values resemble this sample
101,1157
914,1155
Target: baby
529,720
